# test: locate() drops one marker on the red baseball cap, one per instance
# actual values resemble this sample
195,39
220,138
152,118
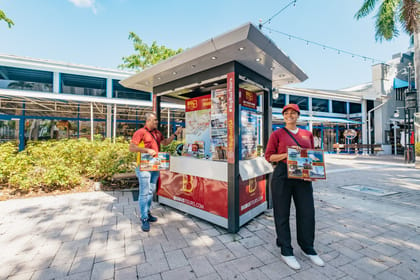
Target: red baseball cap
291,106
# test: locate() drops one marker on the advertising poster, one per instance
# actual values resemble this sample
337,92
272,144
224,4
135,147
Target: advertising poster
156,163
202,193
197,127
219,124
306,164
251,193
249,134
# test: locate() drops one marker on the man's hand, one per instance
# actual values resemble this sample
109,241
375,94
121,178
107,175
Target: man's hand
178,131
151,152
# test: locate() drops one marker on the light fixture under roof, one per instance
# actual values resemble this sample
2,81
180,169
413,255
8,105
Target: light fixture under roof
174,73
213,57
158,78
271,68
258,59
241,49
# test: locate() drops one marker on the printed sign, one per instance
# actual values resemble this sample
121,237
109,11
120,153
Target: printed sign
156,163
305,164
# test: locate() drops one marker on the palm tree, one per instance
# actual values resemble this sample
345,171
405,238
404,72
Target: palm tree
390,13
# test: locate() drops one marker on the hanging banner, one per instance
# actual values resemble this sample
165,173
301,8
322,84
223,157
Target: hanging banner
231,117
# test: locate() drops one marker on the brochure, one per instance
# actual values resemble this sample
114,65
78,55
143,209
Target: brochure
306,164
156,163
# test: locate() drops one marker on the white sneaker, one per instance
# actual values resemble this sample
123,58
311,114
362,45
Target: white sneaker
315,259
291,261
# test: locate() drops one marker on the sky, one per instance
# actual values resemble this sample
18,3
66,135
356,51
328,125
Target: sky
95,32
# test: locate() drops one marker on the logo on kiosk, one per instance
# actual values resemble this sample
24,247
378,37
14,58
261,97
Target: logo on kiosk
192,105
253,184
187,183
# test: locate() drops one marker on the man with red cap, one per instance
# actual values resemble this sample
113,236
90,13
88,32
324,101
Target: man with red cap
284,189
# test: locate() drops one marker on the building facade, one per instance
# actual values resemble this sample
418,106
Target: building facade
42,99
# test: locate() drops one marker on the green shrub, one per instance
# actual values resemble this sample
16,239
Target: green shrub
63,164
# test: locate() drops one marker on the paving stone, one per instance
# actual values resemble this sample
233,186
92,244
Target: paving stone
250,242
227,271
237,249
126,273
103,270
263,254
201,266
153,267
176,259
185,272
220,256
277,270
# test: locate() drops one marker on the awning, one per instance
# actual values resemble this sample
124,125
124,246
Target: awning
319,119
401,83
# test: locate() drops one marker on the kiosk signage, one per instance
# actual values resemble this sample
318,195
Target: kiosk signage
231,117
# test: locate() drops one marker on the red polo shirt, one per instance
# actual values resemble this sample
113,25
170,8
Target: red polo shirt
151,139
279,141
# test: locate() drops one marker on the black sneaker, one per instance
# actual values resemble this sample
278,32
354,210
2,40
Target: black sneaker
152,219
145,226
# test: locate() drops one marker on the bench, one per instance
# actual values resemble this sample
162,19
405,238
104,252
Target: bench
358,147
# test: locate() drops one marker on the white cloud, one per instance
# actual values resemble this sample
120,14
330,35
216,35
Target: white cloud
85,4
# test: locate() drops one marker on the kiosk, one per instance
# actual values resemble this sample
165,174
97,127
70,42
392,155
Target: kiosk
226,84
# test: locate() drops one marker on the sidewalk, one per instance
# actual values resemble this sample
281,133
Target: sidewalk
97,235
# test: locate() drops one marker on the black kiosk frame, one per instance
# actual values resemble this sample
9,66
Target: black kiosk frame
244,57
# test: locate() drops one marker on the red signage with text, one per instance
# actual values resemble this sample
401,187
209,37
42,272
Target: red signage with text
251,193
205,194
198,103
247,98
231,117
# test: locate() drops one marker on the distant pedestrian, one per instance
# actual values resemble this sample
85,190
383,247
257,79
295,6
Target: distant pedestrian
284,189
148,140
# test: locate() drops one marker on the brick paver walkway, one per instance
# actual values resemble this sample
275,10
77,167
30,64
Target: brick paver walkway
98,236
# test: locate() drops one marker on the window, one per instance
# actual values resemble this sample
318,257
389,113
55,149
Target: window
280,101
355,108
301,101
25,79
83,85
118,91
319,105
339,107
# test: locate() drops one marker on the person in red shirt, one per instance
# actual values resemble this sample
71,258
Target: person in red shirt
148,140
284,189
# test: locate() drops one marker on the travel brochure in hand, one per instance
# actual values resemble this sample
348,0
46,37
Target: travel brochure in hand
306,164
156,163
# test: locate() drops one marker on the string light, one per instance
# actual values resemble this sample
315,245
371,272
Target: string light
339,51
276,14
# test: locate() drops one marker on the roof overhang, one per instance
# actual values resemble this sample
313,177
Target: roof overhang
81,98
352,96
246,45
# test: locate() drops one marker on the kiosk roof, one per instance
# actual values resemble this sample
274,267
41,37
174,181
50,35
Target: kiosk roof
246,45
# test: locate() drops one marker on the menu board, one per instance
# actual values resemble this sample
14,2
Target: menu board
305,164
219,124
154,163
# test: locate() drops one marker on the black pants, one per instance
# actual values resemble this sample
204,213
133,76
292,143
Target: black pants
283,189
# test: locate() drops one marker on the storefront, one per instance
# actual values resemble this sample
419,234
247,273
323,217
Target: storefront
226,84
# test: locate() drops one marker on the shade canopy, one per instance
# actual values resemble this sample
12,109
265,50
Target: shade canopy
246,45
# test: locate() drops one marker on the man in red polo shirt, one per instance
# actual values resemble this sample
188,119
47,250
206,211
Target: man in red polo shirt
148,140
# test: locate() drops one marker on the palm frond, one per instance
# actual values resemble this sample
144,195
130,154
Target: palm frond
386,19
366,9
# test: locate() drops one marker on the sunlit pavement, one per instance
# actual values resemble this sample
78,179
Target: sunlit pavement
360,235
